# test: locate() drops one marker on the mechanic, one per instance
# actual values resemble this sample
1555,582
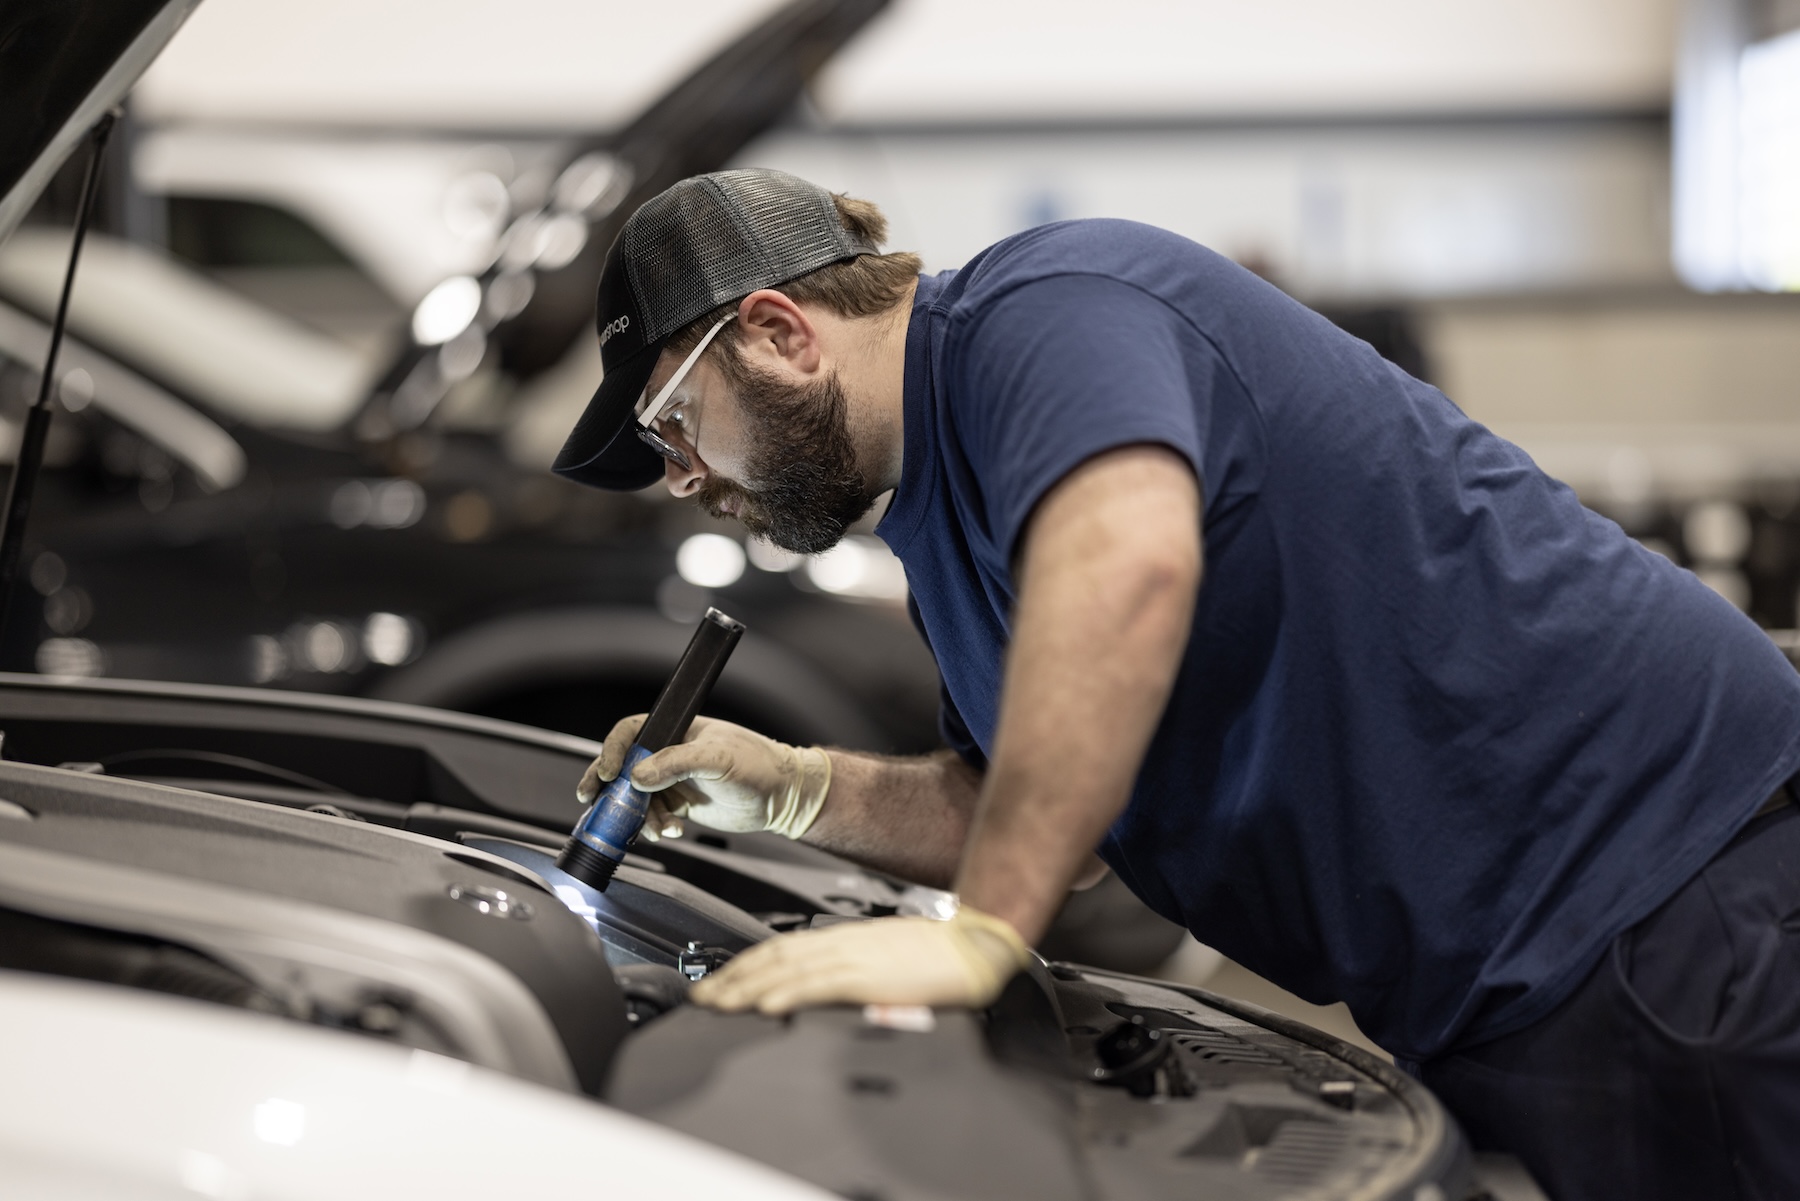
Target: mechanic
1324,670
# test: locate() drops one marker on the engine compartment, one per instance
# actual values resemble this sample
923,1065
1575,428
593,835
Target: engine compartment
390,872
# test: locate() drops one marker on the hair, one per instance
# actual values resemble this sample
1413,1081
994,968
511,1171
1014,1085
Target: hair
865,286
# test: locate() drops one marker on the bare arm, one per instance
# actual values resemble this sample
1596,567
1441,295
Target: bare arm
1108,573
905,815
1108,570
1110,567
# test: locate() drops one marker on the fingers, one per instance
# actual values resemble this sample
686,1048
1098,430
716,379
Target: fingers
612,753
832,987
811,967
738,984
684,761
889,960
662,819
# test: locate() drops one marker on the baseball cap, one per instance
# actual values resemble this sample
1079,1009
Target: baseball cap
702,243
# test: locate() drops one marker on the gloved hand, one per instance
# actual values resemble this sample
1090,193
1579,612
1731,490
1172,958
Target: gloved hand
887,961
722,776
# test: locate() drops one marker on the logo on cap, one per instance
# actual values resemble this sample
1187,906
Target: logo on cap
617,325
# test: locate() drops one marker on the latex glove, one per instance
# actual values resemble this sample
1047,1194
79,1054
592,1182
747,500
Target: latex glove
722,776
886,961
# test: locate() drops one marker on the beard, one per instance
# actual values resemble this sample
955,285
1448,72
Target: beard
803,487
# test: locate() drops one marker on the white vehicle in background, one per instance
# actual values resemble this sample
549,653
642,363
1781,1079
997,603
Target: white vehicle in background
246,498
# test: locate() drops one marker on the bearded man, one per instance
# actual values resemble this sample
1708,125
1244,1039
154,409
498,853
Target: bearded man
1327,672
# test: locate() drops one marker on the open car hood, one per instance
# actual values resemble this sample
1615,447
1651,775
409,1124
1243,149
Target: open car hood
63,64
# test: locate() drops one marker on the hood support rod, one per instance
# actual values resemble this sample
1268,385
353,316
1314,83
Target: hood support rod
37,420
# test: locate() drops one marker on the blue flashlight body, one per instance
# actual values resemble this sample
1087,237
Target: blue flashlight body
606,831
617,814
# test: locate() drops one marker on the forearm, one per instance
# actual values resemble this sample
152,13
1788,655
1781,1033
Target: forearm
1108,580
908,816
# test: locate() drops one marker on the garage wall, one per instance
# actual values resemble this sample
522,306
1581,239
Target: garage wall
582,64
1331,211
1678,396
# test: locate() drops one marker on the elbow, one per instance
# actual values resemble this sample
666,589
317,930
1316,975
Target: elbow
1160,575
1163,590
1173,568
1149,597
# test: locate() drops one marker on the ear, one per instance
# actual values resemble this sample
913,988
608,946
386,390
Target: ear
774,331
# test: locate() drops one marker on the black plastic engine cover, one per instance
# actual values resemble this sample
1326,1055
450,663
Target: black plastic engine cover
421,883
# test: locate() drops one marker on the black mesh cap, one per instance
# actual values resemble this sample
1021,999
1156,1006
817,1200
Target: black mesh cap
703,243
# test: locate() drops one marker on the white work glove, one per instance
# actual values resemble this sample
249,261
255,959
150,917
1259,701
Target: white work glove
722,776
965,961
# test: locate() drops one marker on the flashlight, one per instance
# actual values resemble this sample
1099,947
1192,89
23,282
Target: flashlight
606,831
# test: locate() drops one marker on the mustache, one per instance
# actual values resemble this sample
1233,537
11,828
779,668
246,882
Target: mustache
728,499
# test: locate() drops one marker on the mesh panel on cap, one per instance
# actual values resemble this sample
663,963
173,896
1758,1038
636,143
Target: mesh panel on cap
792,224
711,239
674,246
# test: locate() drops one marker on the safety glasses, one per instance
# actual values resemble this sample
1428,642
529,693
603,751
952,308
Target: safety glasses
647,412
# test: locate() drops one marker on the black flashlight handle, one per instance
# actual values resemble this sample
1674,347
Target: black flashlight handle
687,689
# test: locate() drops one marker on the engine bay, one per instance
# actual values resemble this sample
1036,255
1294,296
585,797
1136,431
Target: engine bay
390,873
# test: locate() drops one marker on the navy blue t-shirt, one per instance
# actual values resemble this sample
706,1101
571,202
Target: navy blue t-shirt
1439,733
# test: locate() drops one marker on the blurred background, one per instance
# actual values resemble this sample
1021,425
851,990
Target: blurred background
336,316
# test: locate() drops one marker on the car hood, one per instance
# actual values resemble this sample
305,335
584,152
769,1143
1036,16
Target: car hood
63,64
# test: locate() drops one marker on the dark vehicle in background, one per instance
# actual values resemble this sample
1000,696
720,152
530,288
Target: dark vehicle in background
235,498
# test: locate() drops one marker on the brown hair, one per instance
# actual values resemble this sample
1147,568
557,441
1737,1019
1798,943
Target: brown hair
864,286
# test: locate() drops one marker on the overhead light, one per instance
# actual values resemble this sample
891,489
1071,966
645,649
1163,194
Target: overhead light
280,1122
396,504
710,561
460,356
75,390
324,647
381,504
70,657
48,572
1769,163
680,601
389,639
446,310
508,293
1736,154
1717,533
268,659
766,556
476,206
859,567
593,185
558,241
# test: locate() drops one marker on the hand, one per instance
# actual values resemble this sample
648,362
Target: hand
886,961
722,776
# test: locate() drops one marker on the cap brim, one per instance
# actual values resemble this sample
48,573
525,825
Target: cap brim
603,450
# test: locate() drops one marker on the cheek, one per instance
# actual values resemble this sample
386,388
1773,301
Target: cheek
727,443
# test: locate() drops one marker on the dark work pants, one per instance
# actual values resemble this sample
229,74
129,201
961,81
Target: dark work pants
1673,1072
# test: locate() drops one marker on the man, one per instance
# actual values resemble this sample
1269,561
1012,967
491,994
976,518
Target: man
1324,670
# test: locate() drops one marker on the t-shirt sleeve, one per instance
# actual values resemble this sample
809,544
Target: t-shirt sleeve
955,732
1061,369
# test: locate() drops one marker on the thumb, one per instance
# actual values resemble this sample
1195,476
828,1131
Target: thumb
612,753
684,761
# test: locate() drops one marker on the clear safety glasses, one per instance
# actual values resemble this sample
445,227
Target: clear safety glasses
648,407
